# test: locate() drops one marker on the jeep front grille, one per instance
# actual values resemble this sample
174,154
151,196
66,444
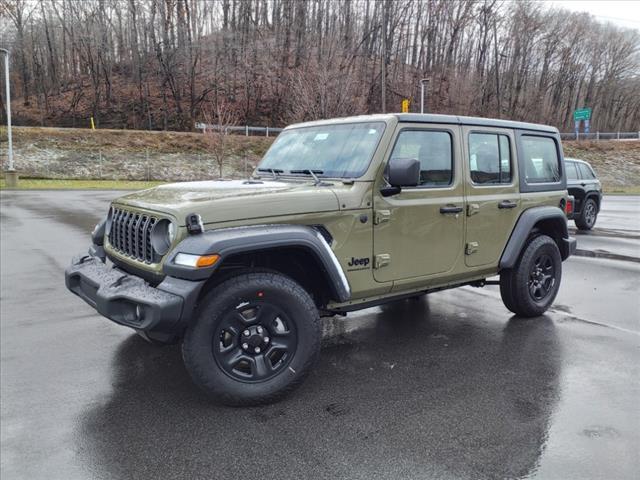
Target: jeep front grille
130,234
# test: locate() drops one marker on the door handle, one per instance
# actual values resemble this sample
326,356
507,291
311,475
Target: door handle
507,204
450,209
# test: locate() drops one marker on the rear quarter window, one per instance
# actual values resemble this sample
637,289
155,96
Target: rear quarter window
540,160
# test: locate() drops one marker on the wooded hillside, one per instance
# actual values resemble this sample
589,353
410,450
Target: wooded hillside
163,64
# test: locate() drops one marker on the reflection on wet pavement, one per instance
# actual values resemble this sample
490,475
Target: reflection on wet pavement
415,394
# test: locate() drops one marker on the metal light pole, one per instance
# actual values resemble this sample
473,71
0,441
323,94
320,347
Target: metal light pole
383,64
8,95
423,82
11,176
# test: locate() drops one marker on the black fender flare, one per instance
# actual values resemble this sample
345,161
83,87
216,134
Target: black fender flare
525,224
596,196
230,241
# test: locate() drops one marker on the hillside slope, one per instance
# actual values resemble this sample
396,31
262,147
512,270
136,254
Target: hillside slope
617,163
127,154
143,155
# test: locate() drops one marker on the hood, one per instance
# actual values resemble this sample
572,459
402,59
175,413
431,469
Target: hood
228,200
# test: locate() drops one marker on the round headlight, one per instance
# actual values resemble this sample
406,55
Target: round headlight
161,238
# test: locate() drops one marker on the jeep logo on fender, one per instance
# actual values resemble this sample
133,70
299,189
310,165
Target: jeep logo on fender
358,263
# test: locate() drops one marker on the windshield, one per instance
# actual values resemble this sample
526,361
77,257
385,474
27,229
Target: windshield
340,150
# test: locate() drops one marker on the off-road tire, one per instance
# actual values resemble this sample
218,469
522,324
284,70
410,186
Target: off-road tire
259,289
588,216
516,283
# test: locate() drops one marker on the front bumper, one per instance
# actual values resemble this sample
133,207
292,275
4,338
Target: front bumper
159,313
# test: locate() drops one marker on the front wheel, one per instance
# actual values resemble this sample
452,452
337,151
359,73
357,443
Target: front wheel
255,338
529,288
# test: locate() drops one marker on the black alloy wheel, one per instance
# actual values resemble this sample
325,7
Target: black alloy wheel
541,277
254,342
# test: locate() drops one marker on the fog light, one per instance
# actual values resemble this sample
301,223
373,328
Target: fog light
139,313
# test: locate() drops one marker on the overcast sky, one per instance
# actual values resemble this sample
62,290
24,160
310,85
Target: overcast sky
625,13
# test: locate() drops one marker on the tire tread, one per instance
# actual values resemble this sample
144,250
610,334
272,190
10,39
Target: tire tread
513,282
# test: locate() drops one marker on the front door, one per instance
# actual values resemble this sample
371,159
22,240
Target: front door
419,232
493,199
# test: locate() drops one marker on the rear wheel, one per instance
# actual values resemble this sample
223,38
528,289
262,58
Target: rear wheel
255,338
587,218
530,287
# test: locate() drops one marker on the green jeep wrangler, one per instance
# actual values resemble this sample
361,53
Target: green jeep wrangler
340,215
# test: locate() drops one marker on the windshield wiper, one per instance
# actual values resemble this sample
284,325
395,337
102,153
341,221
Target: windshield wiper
310,172
273,171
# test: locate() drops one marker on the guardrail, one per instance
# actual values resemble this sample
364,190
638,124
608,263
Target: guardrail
247,129
597,136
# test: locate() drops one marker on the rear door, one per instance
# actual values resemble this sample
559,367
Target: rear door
492,194
588,180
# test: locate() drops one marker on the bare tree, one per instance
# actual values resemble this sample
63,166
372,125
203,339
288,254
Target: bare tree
219,118
159,63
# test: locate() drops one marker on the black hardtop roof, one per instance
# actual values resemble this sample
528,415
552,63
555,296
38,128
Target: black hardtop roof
473,121
430,118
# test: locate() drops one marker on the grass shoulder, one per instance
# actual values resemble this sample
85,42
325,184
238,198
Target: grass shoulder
62,184
629,190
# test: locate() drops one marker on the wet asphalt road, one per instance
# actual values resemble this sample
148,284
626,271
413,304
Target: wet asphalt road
448,387
617,230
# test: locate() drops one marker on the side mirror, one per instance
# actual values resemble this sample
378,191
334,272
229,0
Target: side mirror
401,172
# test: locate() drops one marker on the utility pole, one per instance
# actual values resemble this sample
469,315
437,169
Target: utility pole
383,72
423,83
11,177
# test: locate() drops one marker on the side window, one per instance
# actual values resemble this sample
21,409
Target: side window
540,159
586,171
433,149
489,158
572,171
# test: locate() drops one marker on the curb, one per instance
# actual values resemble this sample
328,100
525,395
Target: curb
605,254
629,234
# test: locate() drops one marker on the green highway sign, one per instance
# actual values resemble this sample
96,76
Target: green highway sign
582,114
